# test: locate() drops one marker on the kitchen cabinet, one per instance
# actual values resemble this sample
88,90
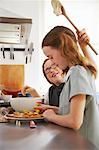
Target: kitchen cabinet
11,78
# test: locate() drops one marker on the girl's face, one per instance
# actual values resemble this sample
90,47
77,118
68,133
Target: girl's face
55,56
53,72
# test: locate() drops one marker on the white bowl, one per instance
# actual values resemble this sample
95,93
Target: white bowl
24,103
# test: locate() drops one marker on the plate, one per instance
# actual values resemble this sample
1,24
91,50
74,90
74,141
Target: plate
9,117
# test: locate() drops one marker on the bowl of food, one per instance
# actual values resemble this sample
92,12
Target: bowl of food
22,104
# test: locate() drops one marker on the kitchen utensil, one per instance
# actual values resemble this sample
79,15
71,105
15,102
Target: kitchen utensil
24,103
8,117
3,52
26,52
4,111
11,52
32,124
31,50
4,104
11,78
2,119
59,10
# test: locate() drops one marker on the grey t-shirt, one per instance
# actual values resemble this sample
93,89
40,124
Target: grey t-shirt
80,81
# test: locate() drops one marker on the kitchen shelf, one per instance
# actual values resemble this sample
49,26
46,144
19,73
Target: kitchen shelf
14,30
15,20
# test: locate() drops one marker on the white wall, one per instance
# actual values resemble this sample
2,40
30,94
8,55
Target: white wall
84,13
28,9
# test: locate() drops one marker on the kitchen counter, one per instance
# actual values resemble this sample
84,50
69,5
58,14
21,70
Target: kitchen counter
46,136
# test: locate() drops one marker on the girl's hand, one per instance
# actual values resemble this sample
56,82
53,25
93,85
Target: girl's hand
83,38
45,107
42,107
49,114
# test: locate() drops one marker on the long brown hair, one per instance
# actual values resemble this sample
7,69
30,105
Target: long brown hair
63,39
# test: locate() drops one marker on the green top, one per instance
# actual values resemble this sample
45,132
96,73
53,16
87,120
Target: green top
80,81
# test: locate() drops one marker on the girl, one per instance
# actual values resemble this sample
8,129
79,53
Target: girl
77,108
55,75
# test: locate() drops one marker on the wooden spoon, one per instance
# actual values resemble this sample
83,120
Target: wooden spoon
59,10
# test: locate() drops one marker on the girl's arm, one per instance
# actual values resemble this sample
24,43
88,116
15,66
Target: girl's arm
72,120
83,39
